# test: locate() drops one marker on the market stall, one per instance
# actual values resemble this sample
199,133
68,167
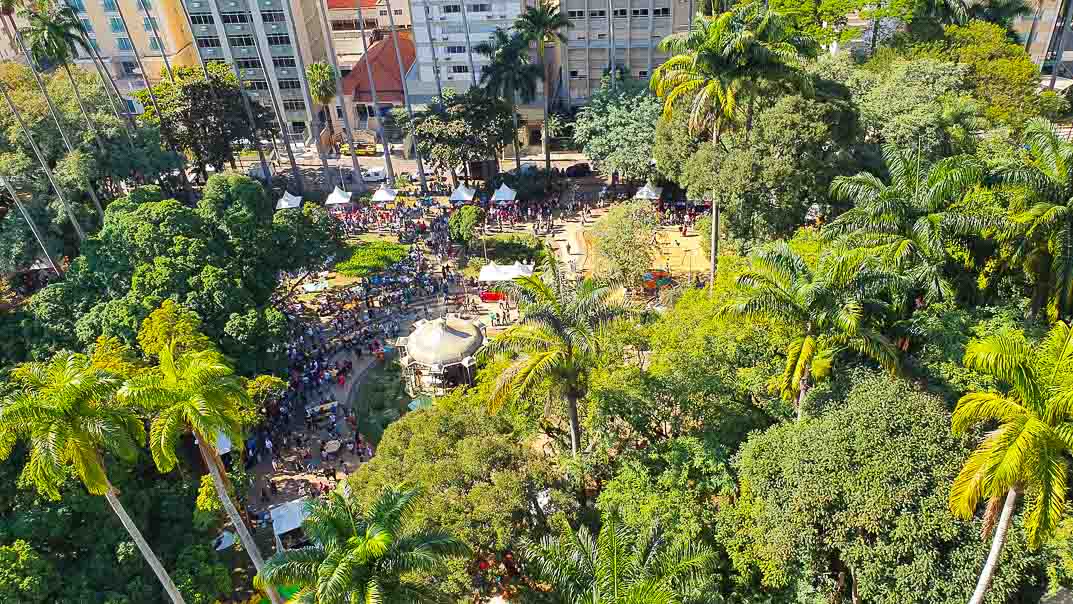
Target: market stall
288,201
384,194
338,198
287,519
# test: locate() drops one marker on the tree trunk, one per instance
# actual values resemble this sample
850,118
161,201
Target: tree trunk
575,426
143,546
545,131
997,542
517,154
875,35
802,391
215,467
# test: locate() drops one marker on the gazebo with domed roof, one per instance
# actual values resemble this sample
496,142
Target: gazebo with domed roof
438,354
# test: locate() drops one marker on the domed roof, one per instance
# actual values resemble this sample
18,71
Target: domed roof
444,341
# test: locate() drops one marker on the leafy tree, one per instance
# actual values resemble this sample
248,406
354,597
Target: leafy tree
852,505
557,337
617,127
463,224
321,77
1003,13
171,325
205,118
1026,453
198,391
361,553
25,576
624,243
65,411
509,75
618,566
908,222
825,310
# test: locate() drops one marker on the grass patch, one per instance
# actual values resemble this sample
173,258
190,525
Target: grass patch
508,248
365,257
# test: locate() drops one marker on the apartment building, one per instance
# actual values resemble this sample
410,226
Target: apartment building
270,42
630,36
346,29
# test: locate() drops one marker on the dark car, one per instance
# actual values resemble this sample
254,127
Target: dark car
578,170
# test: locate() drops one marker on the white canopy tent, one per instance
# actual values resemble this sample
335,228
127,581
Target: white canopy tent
463,193
504,193
648,192
287,517
337,198
288,201
384,193
493,272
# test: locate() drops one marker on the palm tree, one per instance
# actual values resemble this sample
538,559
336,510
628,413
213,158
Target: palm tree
544,24
322,81
1002,13
726,57
908,221
65,411
1047,177
556,338
56,38
824,311
195,391
619,565
361,554
510,75
1028,451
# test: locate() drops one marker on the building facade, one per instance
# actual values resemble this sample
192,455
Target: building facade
346,30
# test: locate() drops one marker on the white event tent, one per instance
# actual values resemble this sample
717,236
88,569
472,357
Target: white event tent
504,193
288,201
337,198
463,193
493,272
384,193
648,192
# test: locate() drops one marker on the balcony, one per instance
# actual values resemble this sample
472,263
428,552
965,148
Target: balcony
205,31
243,52
291,93
229,6
275,28
211,53
295,116
252,74
238,28
282,50
287,72
269,4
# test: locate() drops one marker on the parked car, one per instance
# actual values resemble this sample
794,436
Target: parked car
578,170
374,175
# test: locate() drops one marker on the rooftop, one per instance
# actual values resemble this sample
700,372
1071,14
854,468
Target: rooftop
385,68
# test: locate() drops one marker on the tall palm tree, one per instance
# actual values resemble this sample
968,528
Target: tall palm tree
361,554
65,411
195,391
510,75
824,311
724,59
557,336
908,221
322,83
1047,176
56,37
619,565
544,25
1028,451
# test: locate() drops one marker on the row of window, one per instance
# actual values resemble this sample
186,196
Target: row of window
273,40
352,24
450,9
619,13
268,16
577,75
109,5
256,63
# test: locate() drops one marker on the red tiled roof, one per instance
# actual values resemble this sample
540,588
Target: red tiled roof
385,69
351,4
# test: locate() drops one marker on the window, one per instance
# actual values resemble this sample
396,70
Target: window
149,23
240,40
155,43
451,28
601,36
598,14
338,112
257,84
643,73
77,5
451,9
116,25
371,24
662,12
575,14
273,16
130,67
124,44
248,63
208,42
145,5
290,85
480,8
383,13
398,12
284,62
456,50
201,19
459,68
344,24
131,107
294,105
621,12
109,5
298,127
234,18
87,25
575,74
278,39
96,46
640,12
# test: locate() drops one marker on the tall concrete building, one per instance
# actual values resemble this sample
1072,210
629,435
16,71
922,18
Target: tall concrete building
1042,32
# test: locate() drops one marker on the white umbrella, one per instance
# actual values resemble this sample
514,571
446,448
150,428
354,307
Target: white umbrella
338,197
288,201
504,193
384,193
462,193
648,192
